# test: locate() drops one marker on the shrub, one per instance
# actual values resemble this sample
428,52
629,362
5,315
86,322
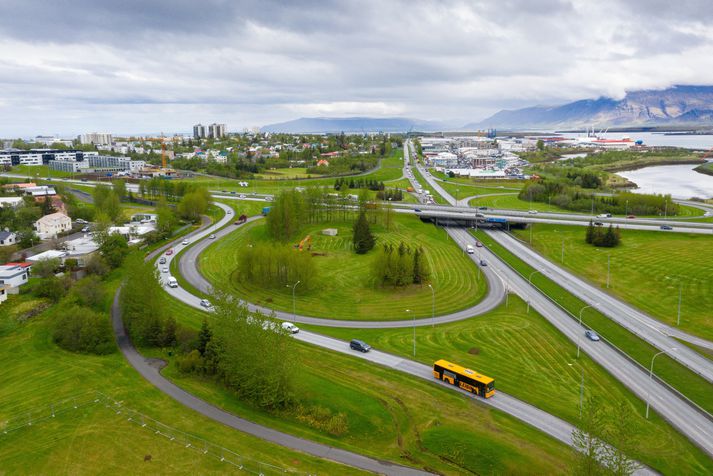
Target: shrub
80,329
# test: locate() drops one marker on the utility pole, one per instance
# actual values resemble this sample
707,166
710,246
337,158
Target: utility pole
680,293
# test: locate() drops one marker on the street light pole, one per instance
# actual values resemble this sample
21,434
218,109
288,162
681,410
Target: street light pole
433,306
580,324
680,293
651,376
294,308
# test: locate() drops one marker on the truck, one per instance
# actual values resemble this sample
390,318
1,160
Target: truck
502,221
410,189
265,211
242,219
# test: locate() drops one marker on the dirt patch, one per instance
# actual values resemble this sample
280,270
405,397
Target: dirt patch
474,351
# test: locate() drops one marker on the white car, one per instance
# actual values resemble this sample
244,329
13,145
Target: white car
290,327
242,195
165,269
184,242
206,304
211,236
532,212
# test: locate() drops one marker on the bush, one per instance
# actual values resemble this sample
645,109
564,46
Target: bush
79,329
275,266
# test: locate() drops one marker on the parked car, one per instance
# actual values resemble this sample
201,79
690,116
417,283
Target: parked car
184,242
242,195
359,345
290,327
85,229
666,227
169,252
206,304
162,260
232,193
211,236
591,335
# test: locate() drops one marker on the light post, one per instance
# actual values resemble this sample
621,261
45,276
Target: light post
680,293
294,311
580,324
651,376
433,306
414,332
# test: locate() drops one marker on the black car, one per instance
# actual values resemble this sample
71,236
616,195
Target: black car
666,227
598,223
359,345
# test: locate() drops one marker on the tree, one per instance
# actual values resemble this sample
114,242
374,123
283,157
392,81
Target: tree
168,333
142,309
589,237
362,238
540,145
114,249
46,267
79,329
97,265
204,336
586,439
46,207
119,187
52,287
421,272
622,439
166,218
193,205
89,292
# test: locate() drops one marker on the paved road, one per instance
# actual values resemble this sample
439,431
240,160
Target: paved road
529,414
696,426
651,330
152,374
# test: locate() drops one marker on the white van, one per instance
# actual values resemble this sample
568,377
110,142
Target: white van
172,282
290,327
470,249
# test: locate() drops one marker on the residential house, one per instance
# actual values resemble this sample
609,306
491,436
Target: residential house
7,238
13,276
49,226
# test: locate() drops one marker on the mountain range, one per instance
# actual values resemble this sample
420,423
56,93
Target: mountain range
678,105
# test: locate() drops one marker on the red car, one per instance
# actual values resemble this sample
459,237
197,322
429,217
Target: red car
169,252
631,216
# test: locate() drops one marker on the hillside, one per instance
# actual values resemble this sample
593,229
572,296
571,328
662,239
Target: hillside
675,106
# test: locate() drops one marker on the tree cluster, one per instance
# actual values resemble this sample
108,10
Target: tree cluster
351,183
155,187
194,204
107,201
392,194
603,237
272,266
81,329
401,265
248,352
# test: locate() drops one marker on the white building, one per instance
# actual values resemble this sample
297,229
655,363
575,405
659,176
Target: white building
45,255
445,160
96,138
39,191
69,165
13,276
8,238
49,226
13,202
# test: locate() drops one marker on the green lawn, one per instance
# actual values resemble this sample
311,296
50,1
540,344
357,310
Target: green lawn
35,171
531,360
684,380
646,270
345,289
289,173
393,416
93,439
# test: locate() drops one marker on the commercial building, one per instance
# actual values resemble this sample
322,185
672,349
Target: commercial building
69,165
13,157
96,138
49,226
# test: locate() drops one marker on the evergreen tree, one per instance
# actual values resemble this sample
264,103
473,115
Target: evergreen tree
362,239
204,336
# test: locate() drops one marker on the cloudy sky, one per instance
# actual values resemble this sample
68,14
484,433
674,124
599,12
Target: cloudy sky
146,66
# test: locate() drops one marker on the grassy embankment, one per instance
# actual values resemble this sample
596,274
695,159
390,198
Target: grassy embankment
533,361
684,380
344,288
390,415
94,439
646,269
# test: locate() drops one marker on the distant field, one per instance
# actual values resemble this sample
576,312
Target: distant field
531,360
345,289
95,440
646,270
279,174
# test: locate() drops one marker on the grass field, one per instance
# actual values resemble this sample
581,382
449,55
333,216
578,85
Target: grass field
531,360
289,173
646,270
41,171
94,440
684,380
390,170
344,288
393,416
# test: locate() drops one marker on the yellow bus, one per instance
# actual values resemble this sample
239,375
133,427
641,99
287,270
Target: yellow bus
466,379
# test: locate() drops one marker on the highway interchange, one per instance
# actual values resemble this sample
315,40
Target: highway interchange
689,420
